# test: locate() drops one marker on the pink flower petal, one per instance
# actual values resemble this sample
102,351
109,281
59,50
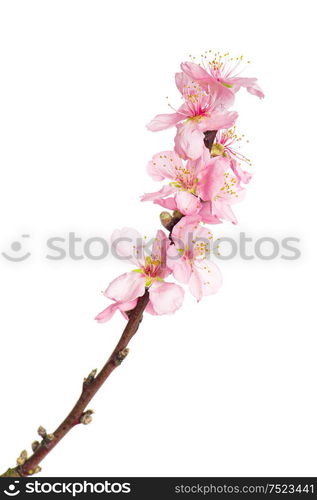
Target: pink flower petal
187,203
225,96
127,244
158,195
127,306
242,175
164,165
107,313
195,286
195,72
211,178
169,203
159,250
218,120
126,287
189,232
206,279
189,141
221,208
150,309
182,81
182,270
161,122
206,215
166,298
249,83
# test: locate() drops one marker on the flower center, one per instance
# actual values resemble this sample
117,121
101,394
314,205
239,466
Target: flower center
217,149
228,188
150,270
196,118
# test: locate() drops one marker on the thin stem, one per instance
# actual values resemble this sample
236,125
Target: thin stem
90,387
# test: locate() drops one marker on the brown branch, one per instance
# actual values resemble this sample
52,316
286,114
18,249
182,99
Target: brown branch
90,387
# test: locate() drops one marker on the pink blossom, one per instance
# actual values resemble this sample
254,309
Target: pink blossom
202,190
226,145
201,111
188,258
183,185
219,188
202,186
165,298
221,75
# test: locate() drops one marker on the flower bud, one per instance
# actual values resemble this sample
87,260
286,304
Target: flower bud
122,355
93,373
165,218
90,377
41,431
37,469
35,445
22,458
86,417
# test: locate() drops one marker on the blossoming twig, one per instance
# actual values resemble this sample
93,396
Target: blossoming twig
205,180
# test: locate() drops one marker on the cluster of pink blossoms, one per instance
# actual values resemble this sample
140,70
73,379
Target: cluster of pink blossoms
203,184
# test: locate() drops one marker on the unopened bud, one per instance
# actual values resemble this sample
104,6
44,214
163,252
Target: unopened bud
22,458
35,445
93,373
50,437
41,431
177,214
91,376
86,417
122,355
165,218
34,471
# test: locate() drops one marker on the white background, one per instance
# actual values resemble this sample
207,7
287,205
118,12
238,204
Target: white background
223,388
